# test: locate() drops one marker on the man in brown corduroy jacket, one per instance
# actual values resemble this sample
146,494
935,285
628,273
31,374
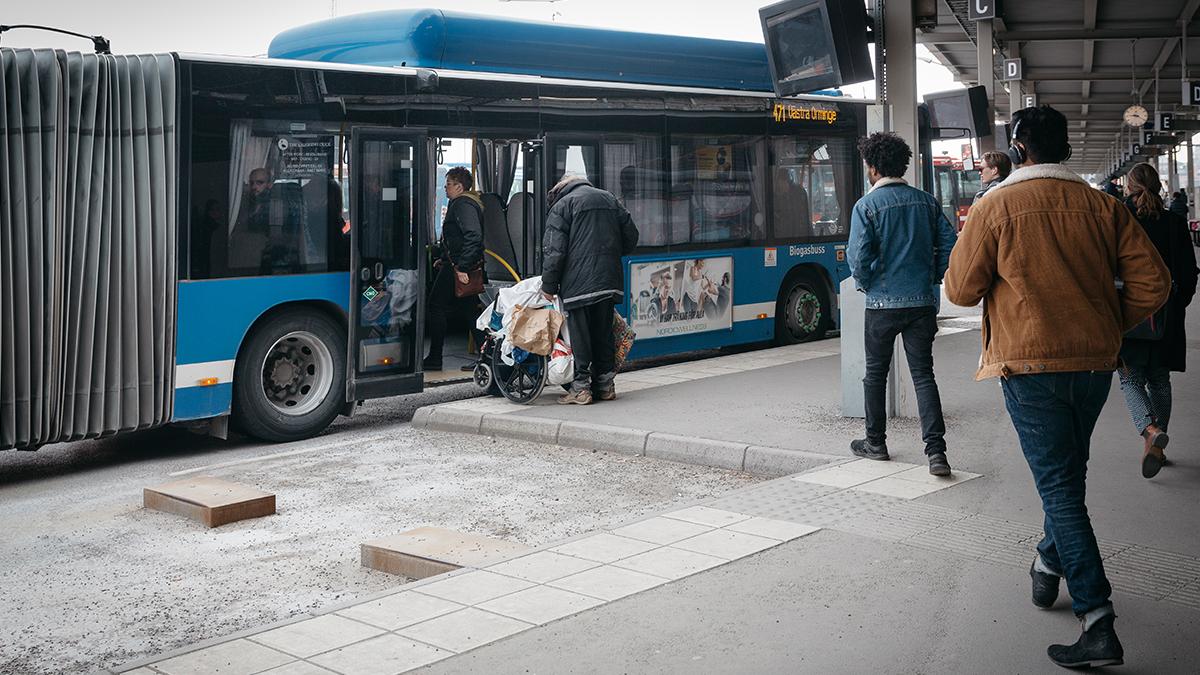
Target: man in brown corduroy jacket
1044,251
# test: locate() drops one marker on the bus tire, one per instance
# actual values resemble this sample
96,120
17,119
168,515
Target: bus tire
290,378
802,314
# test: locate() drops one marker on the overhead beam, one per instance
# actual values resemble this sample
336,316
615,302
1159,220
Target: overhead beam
1124,33
1088,74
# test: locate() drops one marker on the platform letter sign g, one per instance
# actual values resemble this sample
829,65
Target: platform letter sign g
982,10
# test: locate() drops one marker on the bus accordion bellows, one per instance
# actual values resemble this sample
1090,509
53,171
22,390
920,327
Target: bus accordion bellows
205,239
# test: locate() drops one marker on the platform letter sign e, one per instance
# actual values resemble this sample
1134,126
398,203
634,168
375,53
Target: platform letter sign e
1166,121
982,10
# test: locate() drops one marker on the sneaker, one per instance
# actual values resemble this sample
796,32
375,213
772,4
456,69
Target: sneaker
865,449
583,397
1096,646
606,394
468,367
938,466
1045,587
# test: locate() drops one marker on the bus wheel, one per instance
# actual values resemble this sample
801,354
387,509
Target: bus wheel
290,379
803,313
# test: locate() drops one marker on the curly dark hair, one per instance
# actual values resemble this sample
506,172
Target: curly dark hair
1043,132
885,152
462,176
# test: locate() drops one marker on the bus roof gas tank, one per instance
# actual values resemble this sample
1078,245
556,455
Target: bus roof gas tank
432,38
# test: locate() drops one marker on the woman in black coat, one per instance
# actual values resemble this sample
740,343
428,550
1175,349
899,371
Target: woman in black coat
1146,364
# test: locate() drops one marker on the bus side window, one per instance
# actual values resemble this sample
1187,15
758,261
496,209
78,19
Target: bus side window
633,173
810,180
717,188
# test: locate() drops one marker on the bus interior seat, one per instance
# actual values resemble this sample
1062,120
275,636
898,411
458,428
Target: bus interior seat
496,239
518,205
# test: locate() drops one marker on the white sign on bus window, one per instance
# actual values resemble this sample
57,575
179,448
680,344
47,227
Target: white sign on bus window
679,297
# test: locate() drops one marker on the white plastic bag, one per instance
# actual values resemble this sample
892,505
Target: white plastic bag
561,369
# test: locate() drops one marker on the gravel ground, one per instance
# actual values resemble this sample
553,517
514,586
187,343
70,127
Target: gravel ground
90,579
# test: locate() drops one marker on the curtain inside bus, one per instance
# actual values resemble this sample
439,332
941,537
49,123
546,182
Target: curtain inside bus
87,244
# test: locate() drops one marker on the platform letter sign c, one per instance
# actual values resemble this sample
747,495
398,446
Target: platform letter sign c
982,10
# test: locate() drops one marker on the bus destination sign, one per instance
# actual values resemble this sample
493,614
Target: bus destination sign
787,112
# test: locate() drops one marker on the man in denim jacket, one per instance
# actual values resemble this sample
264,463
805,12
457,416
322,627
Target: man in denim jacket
899,249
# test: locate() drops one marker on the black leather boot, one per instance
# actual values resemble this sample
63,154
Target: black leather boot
1045,587
1097,646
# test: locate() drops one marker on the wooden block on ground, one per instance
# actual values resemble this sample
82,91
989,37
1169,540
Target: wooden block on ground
427,551
211,501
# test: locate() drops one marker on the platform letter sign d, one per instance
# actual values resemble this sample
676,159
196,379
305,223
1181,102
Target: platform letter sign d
1193,93
981,10
1012,69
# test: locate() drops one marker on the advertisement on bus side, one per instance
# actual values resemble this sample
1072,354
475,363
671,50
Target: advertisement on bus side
680,297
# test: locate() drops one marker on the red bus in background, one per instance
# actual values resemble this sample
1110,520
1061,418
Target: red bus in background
954,188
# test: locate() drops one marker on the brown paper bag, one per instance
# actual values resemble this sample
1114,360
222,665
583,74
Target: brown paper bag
535,330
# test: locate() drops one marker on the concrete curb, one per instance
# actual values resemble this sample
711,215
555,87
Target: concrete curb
758,460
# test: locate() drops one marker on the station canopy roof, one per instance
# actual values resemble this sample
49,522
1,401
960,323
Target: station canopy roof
1079,56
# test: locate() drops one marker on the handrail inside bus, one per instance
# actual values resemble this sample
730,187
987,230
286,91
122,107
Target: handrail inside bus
504,262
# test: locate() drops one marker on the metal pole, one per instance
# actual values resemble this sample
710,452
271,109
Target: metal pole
1014,88
1191,173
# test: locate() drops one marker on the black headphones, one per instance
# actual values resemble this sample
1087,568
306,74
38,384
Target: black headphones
1017,153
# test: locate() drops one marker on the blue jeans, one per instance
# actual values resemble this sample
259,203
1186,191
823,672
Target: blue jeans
1054,414
918,326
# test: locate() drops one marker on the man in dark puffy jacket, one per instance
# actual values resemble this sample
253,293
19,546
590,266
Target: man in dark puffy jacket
461,251
587,232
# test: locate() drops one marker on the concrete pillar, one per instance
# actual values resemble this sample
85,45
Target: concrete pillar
1173,171
1014,88
1191,174
987,73
901,45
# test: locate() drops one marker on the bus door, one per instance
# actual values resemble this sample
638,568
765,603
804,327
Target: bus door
533,176
389,194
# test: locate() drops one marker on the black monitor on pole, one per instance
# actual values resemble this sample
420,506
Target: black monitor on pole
816,44
962,109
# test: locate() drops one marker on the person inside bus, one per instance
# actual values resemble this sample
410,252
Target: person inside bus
793,217
459,253
994,168
270,224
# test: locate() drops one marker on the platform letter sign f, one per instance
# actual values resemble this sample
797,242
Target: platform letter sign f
982,10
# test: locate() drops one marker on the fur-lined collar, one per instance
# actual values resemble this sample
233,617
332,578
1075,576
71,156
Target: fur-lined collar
887,181
1056,171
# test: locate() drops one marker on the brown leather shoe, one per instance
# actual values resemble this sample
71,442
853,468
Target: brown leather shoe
606,394
583,397
1153,458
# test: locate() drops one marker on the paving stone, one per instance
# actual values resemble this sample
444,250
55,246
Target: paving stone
834,477
602,437
670,563
296,668
661,530
690,450
383,655
703,515
892,486
211,501
876,469
608,583
236,656
542,566
465,629
540,604
770,528
726,544
920,474
604,547
422,417
313,636
429,551
520,427
474,587
400,610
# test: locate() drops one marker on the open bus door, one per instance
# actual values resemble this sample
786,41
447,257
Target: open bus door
389,194
534,175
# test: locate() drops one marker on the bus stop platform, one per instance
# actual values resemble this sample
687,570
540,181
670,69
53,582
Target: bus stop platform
835,565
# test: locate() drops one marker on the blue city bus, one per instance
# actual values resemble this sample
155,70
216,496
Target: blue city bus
205,240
